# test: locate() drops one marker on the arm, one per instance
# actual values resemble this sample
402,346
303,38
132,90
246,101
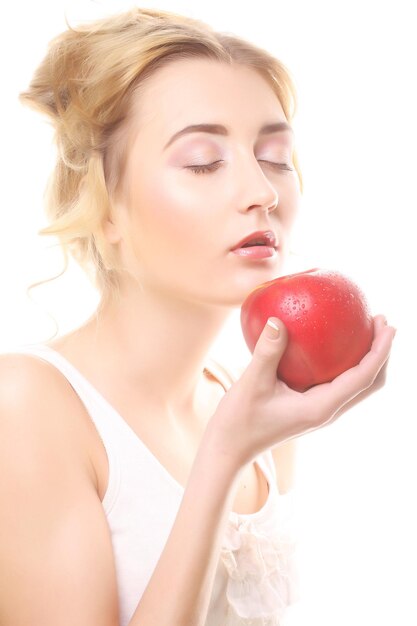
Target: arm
284,454
256,413
192,551
54,540
55,550
55,546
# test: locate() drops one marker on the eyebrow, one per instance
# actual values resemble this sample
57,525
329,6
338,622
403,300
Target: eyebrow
218,129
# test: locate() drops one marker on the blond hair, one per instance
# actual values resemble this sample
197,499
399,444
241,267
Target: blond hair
85,86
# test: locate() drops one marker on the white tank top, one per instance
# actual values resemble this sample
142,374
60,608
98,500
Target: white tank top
255,579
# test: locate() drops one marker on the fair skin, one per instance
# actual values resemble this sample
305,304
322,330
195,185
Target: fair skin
181,226
173,230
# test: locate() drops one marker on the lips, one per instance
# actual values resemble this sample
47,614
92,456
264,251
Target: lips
264,238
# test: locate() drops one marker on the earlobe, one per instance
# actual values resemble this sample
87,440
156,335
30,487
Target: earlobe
110,230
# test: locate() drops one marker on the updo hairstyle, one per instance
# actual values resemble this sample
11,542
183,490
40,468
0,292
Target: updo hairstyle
85,85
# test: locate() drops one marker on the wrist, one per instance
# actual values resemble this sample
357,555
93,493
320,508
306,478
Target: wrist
215,446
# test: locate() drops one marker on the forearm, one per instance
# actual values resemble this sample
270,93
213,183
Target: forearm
179,591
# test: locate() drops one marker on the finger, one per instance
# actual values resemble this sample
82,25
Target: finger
380,321
377,384
358,378
267,354
355,380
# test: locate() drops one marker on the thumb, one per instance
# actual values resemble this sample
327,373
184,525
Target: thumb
268,350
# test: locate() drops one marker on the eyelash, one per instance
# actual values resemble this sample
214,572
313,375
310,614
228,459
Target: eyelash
211,167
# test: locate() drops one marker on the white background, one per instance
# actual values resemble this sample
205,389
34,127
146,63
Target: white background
354,68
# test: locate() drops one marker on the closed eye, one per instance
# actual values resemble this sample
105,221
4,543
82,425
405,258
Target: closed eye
211,167
200,169
280,166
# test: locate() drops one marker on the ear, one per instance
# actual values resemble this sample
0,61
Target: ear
111,231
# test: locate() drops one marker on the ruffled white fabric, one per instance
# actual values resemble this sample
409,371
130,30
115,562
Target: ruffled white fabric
258,553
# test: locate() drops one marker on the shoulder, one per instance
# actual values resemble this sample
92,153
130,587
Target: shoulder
29,380
25,378
31,384
52,525
39,408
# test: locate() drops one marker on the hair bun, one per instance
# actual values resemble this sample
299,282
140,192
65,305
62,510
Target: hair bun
87,85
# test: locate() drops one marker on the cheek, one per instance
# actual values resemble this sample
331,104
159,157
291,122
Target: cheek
289,203
166,212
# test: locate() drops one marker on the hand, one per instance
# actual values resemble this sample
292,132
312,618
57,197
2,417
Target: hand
379,382
259,411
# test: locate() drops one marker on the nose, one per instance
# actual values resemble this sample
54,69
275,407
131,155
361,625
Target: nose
255,190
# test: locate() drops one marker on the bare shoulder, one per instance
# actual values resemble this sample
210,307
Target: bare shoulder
37,403
52,528
23,374
26,378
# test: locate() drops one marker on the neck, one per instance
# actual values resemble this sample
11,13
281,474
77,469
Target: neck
156,345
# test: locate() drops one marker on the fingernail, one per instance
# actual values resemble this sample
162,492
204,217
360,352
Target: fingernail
274,334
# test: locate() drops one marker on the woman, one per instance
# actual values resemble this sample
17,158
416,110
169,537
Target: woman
141,485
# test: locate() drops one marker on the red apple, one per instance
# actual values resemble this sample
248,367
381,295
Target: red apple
329,324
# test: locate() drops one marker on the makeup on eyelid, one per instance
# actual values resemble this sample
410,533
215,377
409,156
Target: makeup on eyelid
204,159
205,152
212,162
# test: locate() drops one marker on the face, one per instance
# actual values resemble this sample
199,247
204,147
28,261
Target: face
188,201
